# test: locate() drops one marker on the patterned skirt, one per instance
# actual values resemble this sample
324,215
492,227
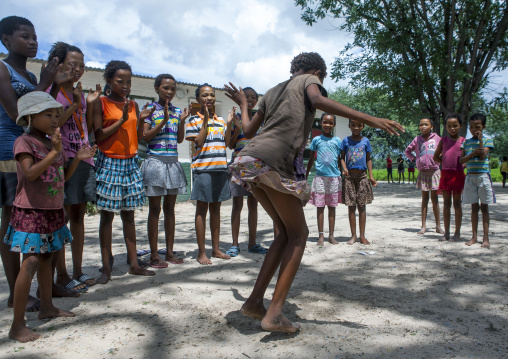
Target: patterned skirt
356,190
163,175
37,231
429,180
326,191
251,172
119,184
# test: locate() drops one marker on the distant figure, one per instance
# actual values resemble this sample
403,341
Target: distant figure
389,168
400,168
411,171
504,170
478,186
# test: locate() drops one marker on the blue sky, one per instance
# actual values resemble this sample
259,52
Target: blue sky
248,42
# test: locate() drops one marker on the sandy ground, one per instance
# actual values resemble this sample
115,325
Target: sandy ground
414,297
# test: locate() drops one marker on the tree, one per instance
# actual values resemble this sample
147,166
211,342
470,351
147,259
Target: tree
497,123
438,54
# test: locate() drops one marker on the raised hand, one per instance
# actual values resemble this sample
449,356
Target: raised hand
125,111
235,94
185,113
237,121
56,141
86,152
389,126
204,110
145,112
94,95
76,94
231,115
49,71
63,77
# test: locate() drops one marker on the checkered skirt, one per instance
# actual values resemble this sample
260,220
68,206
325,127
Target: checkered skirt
119,184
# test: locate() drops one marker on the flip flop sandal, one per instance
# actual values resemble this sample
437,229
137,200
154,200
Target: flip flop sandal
158,264
84,277
176,261
75,283
258,249
164,251
233,251
142,252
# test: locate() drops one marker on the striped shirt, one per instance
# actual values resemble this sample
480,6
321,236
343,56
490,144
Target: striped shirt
212,156
241,141
165,143
475,164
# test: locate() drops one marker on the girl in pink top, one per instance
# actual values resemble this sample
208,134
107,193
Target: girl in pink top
429,174
75,125
452,176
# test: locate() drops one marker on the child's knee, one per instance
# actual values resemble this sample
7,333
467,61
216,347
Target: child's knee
484,208
31,263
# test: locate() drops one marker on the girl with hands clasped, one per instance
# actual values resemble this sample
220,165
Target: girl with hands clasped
118,124
163,175
210,136
19,38
265,167
75,125
358,181
37,224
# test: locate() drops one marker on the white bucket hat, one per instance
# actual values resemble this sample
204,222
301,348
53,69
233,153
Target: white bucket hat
35,102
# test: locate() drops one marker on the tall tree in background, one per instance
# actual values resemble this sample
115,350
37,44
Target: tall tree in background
436,53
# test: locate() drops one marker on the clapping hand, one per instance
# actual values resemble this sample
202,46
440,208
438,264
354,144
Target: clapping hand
93,95
86,152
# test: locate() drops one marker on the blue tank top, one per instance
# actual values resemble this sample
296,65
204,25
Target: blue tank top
8,128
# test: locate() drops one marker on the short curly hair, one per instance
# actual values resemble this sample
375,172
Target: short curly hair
308,61
113,66
61,49
200,87
478,116
251,89
161,77
329,114
454,115
10,24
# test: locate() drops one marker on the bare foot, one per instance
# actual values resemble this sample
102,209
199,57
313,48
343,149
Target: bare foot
439,230
104,278
321,241
171,258
486,244
422,231
111,262
331,239
54,312
352,240
255,310
364,240
219,254
279,324
203,259
445,237
137,270
455,238
23,335
471,241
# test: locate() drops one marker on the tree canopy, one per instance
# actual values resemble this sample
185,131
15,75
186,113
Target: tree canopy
436,54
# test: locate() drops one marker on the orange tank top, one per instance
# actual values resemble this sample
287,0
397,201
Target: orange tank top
124,142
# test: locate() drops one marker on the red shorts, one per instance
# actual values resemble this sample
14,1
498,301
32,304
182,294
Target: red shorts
411,170
452,181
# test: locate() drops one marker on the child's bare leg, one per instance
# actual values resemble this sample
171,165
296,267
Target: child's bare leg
486,223
457,206
362,216
320,225
447,204
200,223
435,207
105,238
252,205
475,208
154,211
290,212
44,273
331,225
215,230
129,234
76,214
62,278
352,224
19,330
253,306
169,227
425,205
236,211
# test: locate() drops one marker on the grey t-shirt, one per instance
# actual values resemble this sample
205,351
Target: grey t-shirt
288,121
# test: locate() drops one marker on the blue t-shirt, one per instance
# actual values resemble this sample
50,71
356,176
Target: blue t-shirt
328,151
8,128
356,153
